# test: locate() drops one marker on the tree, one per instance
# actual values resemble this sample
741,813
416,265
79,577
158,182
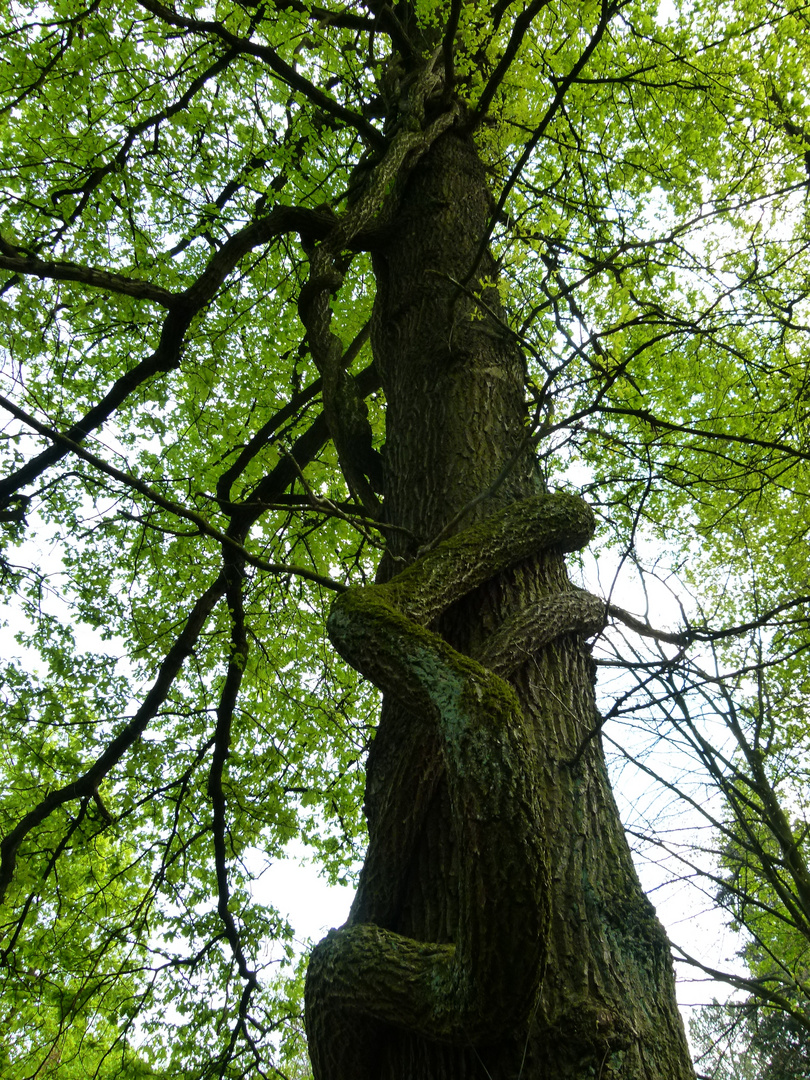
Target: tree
291,290
748,1039
763,886
742,718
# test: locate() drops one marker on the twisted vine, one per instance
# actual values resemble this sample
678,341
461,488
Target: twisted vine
363,977
344,408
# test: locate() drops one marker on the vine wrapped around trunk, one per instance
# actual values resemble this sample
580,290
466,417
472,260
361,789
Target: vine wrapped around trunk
484,984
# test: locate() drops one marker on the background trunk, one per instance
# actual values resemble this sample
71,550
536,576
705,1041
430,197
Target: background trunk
455,419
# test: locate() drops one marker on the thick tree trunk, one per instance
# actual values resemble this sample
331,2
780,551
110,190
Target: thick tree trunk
455,419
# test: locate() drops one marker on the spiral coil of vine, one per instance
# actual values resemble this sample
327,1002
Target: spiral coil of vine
364,978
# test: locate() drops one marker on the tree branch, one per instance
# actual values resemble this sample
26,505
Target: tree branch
31,266
755,987
167,504
279,67
342,17
447,46
684,429
286,412
521,25
222,740
183,308
608,11
86,784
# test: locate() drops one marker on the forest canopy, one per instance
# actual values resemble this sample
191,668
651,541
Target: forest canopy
205,272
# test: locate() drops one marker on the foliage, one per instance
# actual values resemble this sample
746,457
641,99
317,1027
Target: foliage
175,519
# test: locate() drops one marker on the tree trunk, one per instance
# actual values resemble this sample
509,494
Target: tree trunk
454,386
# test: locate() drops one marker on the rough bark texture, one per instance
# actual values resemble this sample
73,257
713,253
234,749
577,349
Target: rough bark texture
606,1005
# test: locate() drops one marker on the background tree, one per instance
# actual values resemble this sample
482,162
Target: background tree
290,289
749,1039
741,720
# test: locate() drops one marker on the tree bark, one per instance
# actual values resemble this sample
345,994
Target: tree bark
456,416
